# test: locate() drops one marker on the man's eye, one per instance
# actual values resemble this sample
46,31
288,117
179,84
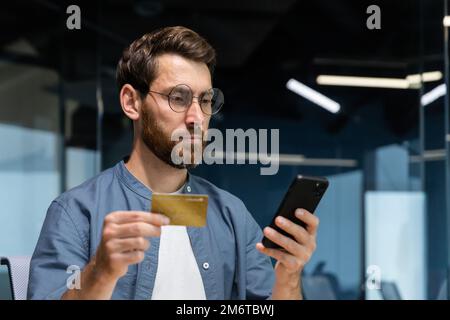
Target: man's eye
177,98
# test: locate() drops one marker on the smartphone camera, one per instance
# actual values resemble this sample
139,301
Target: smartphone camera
319,189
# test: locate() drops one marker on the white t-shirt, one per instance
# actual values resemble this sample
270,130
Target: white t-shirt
178,276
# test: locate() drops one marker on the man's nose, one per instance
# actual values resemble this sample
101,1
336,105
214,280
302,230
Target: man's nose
194,113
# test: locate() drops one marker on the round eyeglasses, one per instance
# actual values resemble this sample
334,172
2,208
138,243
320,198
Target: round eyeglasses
180,98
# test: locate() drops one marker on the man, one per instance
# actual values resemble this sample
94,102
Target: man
104,229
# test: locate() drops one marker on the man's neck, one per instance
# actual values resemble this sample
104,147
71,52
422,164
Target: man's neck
154,173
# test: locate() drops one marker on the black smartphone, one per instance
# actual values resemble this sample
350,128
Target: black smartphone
304,192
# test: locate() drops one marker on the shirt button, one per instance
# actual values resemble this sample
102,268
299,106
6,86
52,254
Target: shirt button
206,266
188,188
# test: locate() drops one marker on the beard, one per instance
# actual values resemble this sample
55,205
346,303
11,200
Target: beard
162,146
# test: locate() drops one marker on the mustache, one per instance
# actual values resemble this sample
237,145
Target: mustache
189,133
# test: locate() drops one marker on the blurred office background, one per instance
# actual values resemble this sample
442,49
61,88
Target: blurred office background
385,219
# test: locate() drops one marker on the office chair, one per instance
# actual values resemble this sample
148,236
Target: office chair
442,295
18,269
318,287
389,291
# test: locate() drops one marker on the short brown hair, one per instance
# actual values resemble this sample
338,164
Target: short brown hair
138,64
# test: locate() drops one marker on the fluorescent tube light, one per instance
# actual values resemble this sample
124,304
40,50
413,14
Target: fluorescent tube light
426,77
372,82
433,94
312,95
411,81
446,21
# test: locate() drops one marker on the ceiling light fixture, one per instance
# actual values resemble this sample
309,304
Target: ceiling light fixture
446,21
412,81
312,95
433,94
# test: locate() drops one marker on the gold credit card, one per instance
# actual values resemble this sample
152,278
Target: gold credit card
182,209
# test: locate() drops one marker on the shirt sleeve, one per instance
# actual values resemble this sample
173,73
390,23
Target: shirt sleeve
60,253
260,273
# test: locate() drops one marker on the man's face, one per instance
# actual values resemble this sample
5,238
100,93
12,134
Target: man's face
159,121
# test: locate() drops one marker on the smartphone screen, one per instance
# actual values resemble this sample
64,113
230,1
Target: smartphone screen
305,192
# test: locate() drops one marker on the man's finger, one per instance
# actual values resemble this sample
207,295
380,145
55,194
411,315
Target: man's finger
312,222
129,244
136,229
298,232
291,246
285,258
120,217
132,257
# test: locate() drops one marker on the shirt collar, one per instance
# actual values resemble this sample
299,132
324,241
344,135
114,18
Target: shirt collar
138,187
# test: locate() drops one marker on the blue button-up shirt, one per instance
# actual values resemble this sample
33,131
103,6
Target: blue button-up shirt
229,264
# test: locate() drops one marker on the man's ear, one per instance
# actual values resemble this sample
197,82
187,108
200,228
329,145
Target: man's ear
130,101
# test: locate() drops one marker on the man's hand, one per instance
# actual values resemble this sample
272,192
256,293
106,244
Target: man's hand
124,240
298,251
123,243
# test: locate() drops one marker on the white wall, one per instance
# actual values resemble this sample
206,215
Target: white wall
395,240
